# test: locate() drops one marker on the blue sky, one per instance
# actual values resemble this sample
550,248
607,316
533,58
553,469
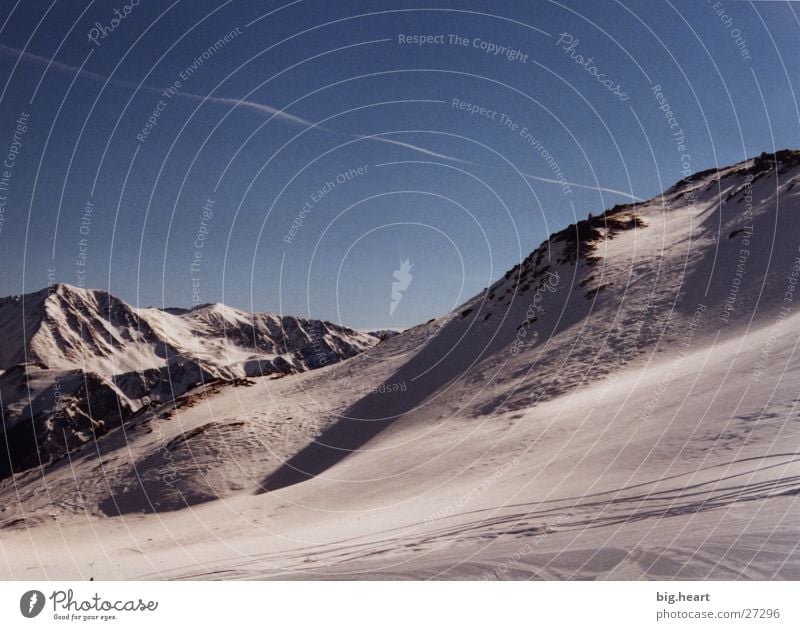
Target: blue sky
336,115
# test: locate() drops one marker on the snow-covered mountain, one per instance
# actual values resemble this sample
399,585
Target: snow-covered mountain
77,362
712,258
622,403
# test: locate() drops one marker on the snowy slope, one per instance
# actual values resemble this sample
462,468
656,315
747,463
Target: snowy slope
78,361
621,404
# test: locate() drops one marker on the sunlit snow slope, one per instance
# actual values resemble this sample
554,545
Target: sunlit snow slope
621,404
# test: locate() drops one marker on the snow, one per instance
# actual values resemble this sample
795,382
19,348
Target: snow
77,361
605,413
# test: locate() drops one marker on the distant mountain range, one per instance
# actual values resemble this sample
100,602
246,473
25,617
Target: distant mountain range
76,362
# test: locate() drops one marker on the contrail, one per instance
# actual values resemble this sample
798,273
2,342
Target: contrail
277,113
414,147
63,67
8,51
258,107
597,188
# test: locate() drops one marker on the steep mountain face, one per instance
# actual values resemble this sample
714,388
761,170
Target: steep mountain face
77,362
633,379
714,256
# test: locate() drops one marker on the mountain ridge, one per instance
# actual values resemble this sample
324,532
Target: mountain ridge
75,362
639,288
621,403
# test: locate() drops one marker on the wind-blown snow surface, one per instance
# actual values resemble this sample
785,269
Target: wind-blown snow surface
623,404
